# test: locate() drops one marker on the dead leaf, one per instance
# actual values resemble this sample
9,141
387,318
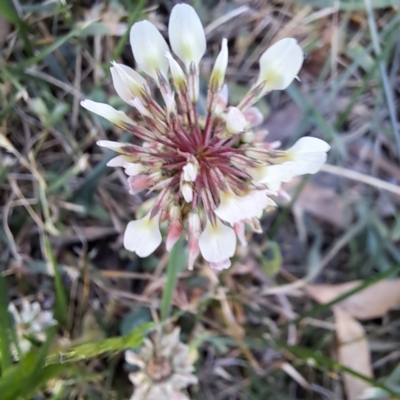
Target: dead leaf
353,352
372,302
322,202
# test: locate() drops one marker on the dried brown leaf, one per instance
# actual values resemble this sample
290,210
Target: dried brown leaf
371,302
353,352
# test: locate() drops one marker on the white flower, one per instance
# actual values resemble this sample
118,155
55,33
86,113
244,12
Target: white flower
186,35
149,48
306,156
235,121
143,236
217,242
165,368
200,163
30,321
234,208
280,64
106,111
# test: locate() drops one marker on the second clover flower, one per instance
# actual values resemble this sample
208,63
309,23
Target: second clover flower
209,178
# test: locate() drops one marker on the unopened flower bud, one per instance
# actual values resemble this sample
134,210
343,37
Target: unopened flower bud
194,230
127,82
178,76
190,170
240,232
138,183
235,121
118,118
175,226
218,73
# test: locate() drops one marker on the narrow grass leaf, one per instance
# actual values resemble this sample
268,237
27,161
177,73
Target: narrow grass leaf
5,328
61,308
172,277
382,67
93,349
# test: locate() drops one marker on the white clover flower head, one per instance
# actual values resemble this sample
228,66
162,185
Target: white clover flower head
30,321
165,368
214,168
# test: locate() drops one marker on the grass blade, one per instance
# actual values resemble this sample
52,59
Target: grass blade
5,326
172,277
61,308
382,68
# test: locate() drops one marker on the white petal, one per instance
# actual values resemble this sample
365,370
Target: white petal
14,312
133,169
309,144
137,183
186,34
239,229
217,242
118,161
127,82
106,111
254,116
138,104
307,156
305,163
187,192
235,208
280,64
219,266
235,121
190,171
143,236
218,72
272,175
149,48
178,76
109,144
133,359
222,100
